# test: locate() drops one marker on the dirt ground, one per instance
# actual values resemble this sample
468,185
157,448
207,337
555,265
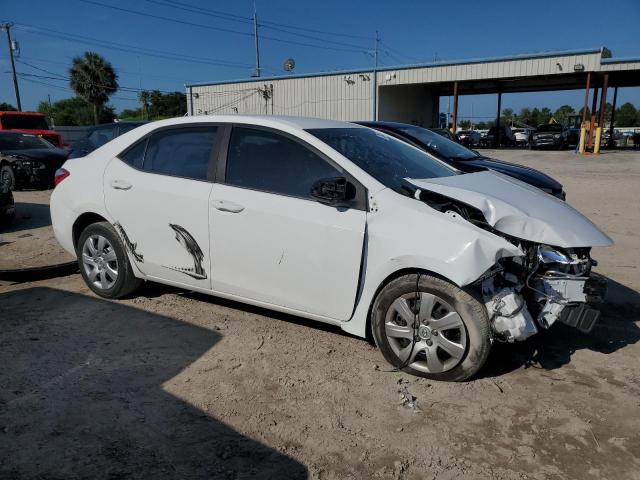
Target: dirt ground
172,384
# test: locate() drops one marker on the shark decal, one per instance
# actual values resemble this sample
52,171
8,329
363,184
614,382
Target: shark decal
189,243
130,245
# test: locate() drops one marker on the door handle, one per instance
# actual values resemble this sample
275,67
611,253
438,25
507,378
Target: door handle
120,185
225,206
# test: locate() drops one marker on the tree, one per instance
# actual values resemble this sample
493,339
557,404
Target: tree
507,116
157,105
74,112
94,79
626,116
131,114
562,114
144,97
7,107
545,115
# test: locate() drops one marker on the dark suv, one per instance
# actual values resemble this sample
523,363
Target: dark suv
551,135
506,137
99,135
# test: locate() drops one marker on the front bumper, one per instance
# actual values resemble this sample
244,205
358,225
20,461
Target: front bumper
35,173
546,142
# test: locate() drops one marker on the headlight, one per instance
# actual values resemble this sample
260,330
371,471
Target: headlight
556,136
546,255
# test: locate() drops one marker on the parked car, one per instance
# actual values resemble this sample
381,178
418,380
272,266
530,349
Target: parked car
446,133
468,138
7,204
97,136
30,122
507,138
28,160
334,222
522,135
463,158
573,136
550,135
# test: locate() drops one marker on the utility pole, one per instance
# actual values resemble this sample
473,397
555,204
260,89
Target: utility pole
374,82
255,35
7,26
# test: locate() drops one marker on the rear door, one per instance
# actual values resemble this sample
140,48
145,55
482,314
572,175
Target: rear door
158,193
270,240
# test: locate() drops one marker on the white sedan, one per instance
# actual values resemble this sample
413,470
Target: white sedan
334,222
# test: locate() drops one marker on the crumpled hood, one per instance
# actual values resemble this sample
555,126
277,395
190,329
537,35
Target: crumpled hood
520,210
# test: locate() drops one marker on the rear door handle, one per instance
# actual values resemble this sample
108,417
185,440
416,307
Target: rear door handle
120,185
225,206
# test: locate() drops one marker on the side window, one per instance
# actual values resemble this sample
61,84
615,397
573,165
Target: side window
100,136
271,162
135,155
182,152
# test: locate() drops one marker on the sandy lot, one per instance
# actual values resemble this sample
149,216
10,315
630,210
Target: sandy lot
172,384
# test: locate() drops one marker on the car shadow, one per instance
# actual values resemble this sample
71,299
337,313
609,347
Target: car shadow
28,216
84,393
551,349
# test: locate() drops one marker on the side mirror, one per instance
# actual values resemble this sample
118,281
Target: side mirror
335,192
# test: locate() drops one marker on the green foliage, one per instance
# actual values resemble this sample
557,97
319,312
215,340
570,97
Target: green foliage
157,105
94,79
75,111
562,114
7,107
627,116
131,114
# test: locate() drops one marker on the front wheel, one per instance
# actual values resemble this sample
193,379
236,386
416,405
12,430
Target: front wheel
103,262
8,177
428,327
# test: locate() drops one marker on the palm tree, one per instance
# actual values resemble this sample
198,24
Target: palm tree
143,97
94,79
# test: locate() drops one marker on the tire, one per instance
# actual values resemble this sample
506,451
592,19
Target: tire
471,336
8,176
98,270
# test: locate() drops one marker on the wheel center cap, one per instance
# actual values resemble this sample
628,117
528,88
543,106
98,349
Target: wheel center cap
424,332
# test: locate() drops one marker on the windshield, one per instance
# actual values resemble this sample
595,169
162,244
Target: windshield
438,144
385,158
552,127
21,141
24,122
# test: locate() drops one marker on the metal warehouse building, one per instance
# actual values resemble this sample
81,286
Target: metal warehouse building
411,93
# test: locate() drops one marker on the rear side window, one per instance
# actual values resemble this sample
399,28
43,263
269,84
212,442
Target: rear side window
271,162
135,155
180,152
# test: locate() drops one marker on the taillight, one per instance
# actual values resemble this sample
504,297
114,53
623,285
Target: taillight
60,175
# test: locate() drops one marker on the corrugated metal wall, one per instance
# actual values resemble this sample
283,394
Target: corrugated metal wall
338,97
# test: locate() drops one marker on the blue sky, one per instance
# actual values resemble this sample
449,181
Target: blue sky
410,31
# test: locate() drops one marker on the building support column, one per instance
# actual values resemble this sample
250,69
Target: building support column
594,106
454,119
586,98
602,113
498,132
613,117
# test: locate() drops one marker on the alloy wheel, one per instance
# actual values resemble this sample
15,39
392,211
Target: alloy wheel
100,262
425,332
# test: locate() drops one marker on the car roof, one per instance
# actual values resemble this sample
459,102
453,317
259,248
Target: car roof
298,123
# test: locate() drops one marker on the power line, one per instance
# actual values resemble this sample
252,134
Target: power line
60,87
220,29
75,38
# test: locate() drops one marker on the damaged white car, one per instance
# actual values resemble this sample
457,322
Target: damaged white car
333,222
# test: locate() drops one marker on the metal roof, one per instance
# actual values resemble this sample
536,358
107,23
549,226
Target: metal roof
526,56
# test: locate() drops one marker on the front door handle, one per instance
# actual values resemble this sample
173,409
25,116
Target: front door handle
225,206
120,185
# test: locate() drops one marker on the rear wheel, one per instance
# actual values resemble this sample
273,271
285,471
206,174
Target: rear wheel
103,262
428,327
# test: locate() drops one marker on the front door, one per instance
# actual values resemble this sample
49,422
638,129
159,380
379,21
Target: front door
158,193
270,241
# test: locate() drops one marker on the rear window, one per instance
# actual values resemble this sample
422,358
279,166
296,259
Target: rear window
22,141
23,122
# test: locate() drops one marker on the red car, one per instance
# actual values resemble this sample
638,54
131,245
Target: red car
30,122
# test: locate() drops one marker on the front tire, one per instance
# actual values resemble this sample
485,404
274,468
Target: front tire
104,263
453,335
8,177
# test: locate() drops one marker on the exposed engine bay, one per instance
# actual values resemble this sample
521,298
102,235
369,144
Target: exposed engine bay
527,293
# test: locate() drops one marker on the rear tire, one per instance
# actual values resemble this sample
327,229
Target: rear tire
103,261
454,337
